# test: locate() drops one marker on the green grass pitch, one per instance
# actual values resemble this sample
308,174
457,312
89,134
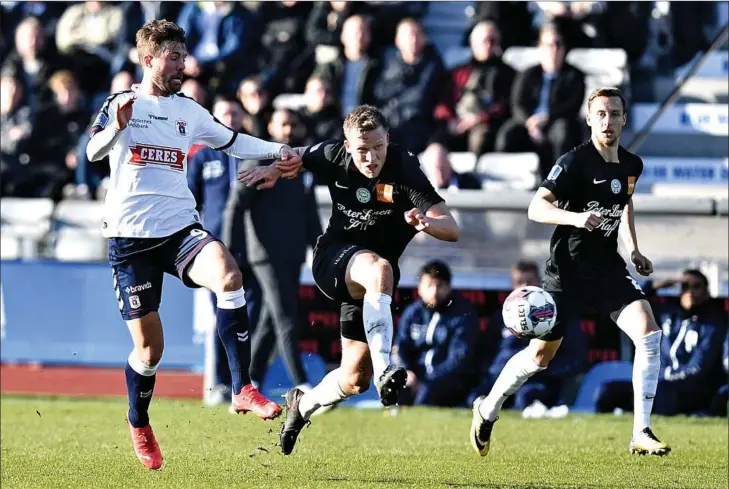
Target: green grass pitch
65,443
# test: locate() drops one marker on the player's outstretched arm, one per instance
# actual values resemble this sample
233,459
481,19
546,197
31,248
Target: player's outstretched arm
542,209
437,222
630,239
261,177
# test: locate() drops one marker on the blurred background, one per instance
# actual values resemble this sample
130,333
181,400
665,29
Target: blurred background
466,85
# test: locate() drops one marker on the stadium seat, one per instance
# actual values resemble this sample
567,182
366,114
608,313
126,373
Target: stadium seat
599,375
521,58
462,162
77,231
73,244
81,214
294,101
10,247
509,170
27,221
277,380
597,60
456,56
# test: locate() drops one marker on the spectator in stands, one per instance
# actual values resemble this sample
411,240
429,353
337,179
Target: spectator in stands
354,73
577,20
195,90
546,102
507,16
286,60
211,176
387,15
410,86
71,119
87,34
16,124
478,101
220,43
439,171
276,253
91,177
321,115
324,26
719,403
32,63
549,386
12,13
135,15
257,108
435,340
691,349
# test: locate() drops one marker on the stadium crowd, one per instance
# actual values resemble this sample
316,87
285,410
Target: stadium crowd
60,60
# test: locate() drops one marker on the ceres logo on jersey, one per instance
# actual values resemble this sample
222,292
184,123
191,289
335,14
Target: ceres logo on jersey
144,154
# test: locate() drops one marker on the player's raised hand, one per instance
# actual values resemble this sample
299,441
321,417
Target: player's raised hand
289,162
261,177
124,113
416,219
642,264
588,220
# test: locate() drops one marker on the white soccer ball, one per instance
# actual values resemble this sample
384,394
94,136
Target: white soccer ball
529,312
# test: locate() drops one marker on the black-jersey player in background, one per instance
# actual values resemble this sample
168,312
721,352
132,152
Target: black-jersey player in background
380,200
588,194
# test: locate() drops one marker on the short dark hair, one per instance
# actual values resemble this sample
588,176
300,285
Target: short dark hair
606,92
437,269
525,266
153,36
365,118
697,274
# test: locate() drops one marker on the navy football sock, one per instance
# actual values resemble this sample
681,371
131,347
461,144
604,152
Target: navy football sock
140,385
232,323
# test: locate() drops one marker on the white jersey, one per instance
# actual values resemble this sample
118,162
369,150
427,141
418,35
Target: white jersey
148,195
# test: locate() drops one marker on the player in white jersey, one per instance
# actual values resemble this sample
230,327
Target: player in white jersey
153,226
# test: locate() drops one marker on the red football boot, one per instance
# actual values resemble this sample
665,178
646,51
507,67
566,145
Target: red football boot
250,399
146,447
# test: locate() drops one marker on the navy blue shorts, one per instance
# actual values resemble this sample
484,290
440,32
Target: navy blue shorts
139,264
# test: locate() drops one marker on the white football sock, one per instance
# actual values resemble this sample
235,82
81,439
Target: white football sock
516,371
377,318
646,368
325,393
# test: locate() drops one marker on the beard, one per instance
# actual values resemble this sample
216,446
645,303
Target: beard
169,84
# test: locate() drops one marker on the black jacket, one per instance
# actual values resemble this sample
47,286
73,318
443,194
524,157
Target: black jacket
565,100
334,73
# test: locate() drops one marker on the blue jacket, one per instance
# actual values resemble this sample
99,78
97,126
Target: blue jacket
571,359
692,347
235,33
438,343
211,175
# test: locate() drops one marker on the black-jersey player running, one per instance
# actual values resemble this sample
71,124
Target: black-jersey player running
588,194
380,200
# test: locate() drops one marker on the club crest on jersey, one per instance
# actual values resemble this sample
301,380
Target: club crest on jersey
181,128
631,185
554,173
615,186
363,195
146,154
384,193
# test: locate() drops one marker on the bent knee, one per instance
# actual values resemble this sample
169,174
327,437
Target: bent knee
356,384
232,280
150,355
543,357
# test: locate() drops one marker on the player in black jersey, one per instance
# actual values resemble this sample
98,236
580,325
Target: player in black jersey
380,200
588,194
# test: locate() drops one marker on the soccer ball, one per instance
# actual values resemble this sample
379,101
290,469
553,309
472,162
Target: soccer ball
529,312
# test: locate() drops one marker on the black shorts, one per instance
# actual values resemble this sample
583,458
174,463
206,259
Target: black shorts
139,264
330,272
608,295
